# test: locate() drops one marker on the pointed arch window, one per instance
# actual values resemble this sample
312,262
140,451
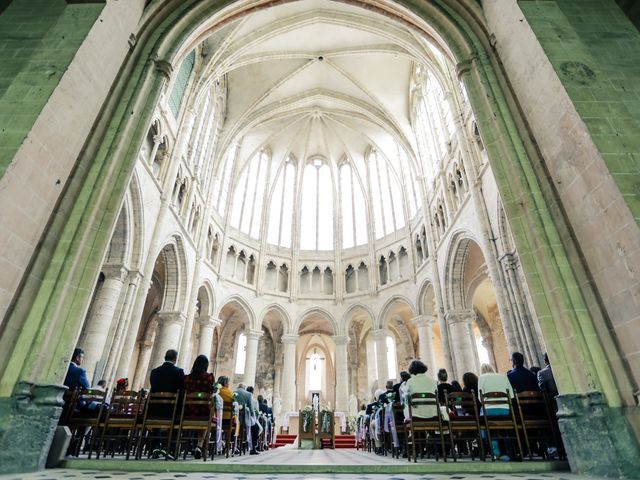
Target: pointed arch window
354,217
180,85
281,205
316,222
248,198
241,354
386,196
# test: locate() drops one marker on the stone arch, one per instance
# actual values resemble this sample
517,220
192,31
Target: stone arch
137,221
322,314
426,298
284,316
175,288
389,305
243,305
455,298
208,300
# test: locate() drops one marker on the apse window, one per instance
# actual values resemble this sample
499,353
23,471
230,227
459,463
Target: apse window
241,354
315,372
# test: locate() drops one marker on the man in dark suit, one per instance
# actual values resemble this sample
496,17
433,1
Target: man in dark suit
167,377
76,376
521,379
546,382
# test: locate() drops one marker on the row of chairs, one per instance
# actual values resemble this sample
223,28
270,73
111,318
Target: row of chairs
528,421
134,424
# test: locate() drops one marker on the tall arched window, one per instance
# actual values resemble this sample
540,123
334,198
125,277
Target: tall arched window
316,222
281,206
354,215
315,372
388,211
248,198
180,85
241,354
222,181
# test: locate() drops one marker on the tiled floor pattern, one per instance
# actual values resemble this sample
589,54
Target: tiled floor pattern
64,474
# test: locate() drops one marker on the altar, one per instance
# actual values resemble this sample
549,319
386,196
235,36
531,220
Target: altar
290,422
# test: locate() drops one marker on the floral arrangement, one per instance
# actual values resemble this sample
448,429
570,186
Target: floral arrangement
352,424
307,418
326,416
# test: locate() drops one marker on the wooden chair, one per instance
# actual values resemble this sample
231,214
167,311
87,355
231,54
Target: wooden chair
401,429
506,424
464,422
122,422
85,419
70,398
228,429
196,423
159,416
425,426
327,433
535,418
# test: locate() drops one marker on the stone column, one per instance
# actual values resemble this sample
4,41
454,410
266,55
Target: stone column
380,338
142,367
288,388
342,373
98,326
462,342
423,324
253,336
123,327
168,335
207,326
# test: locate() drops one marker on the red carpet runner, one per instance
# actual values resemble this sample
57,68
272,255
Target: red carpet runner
342,441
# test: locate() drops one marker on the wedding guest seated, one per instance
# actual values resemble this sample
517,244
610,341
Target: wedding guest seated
101,386
199,380
122,384
470,381
76,376
420,382
521,378
444,387
166,378
400,388
225,393
456,386
546,382
490,381
384,396
244,399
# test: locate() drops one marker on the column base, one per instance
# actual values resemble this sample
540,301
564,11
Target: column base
28,420
598,439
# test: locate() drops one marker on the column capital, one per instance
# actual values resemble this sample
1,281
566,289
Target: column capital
145,344
168,318
208,321
253,334
460,316
380,334
465,66
510,261
423,320
289,339
340,340
117,272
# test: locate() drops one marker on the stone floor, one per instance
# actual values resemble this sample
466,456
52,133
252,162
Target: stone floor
63,474
283,463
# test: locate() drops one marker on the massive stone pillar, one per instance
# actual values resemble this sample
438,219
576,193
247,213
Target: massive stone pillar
253,336
342,373
464,352
98,325
207,326
380,339
423,324
288,387
168,336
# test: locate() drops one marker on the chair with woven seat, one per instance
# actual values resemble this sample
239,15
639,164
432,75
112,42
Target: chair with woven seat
535,419
195,416
123,418
464,422
401,429
429,427
159,416
502,426
85,420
